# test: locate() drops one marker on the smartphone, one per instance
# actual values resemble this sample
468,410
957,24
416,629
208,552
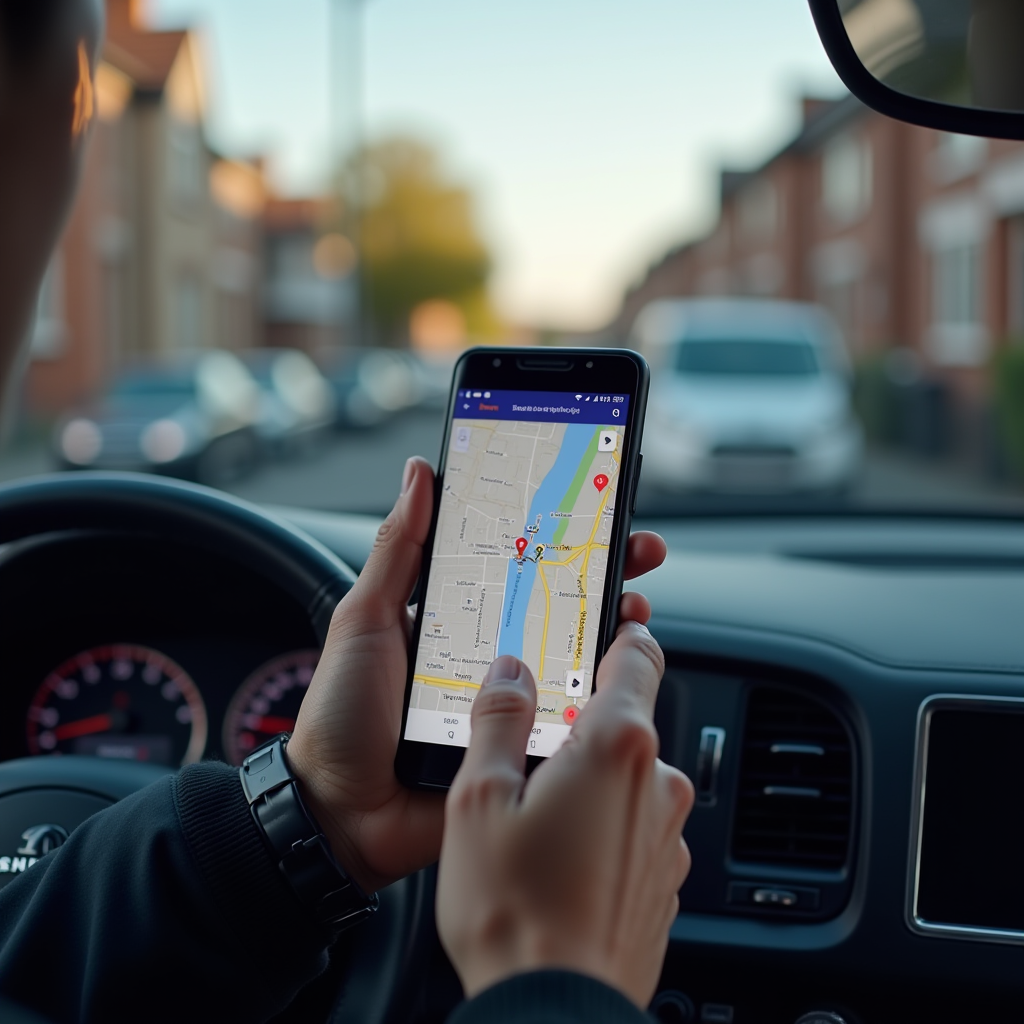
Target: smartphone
536,488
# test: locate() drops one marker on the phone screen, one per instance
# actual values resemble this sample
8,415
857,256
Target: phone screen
521,556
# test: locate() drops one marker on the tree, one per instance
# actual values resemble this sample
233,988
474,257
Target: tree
417,233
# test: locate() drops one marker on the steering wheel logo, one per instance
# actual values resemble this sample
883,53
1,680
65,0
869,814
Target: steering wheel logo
39,840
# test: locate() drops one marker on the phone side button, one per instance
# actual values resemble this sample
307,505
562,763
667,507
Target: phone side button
636,484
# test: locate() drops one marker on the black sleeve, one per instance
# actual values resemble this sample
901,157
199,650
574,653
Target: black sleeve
549,997
164,907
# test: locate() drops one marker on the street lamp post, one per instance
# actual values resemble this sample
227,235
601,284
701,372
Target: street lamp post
346,139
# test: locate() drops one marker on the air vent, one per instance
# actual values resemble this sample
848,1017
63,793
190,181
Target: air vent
795,799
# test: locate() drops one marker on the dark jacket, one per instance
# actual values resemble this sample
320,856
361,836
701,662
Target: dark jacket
168,907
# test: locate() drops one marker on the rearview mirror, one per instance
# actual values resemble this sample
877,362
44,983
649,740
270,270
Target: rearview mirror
956,65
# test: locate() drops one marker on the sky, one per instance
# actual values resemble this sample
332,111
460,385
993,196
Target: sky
590,131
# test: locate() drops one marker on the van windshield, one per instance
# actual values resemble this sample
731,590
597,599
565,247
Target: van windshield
737,358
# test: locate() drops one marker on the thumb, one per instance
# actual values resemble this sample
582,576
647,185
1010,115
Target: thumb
379,597
503,714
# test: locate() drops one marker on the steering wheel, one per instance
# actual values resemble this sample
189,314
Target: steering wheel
43,799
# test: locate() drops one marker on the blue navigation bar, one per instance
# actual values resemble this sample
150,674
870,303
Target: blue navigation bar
545,406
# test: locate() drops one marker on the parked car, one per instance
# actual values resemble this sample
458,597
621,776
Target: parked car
747,396
193,417
369,384
296,401
433,380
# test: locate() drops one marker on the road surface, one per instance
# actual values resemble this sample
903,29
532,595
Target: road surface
362,472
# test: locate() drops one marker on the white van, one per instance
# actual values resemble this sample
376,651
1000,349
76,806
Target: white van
747,395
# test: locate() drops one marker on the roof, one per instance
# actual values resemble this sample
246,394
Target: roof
297,214
822,118
146,57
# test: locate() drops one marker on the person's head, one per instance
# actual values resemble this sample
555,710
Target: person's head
47,61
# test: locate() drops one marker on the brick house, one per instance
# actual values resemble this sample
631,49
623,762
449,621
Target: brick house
310,288
913,238
163,249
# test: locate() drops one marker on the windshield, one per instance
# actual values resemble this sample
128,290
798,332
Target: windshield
725,358
832,303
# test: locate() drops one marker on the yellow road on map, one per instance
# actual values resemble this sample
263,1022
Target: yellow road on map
572,559
585,550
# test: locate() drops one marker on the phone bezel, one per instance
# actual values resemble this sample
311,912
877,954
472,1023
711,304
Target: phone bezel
431,765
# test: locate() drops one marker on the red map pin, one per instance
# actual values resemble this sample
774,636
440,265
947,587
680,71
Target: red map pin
521,546
600,481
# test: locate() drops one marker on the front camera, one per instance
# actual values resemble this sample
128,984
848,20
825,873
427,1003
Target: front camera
590,364
497,362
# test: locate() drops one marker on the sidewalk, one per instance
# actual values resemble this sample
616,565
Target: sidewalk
897,480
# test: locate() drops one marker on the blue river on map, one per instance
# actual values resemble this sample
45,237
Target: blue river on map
520,579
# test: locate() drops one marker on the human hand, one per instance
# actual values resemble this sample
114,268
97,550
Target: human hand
344,743
579,866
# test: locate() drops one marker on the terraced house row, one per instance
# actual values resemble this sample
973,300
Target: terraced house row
913,238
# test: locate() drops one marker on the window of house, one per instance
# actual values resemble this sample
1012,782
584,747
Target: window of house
759,211
188,314
50,334
230,325
291,256
187,162
841,298
847,178
1015,291
956,156
955,286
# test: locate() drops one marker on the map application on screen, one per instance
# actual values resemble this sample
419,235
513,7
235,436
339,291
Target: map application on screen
520,557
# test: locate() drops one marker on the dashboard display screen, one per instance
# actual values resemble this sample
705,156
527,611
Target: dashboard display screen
520,558
971,866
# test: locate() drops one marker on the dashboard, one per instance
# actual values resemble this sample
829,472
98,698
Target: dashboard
143,650
807,660
847,695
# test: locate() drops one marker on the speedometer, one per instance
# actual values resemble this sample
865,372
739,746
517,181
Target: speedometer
267,703
119,701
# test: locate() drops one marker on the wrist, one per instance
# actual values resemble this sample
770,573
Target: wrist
482,965
297,841
329,807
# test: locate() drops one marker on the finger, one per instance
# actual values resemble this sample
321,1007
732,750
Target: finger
678,796
503,715
381,593
644,553
630,672
634,608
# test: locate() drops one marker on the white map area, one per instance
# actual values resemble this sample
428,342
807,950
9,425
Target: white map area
507,480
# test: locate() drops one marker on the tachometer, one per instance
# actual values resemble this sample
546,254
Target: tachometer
267,702
119,701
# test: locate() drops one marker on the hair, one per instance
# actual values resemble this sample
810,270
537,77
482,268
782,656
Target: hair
23,27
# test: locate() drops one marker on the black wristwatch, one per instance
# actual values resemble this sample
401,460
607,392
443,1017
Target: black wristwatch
297,842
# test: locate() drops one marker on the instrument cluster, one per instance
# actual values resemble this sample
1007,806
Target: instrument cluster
138,649
135,703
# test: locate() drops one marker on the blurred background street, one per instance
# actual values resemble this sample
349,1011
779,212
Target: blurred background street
362,472
294,217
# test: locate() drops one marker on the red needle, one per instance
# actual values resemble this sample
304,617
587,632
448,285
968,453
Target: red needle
274,724
85,726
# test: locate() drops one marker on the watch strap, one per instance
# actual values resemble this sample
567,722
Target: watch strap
297,842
